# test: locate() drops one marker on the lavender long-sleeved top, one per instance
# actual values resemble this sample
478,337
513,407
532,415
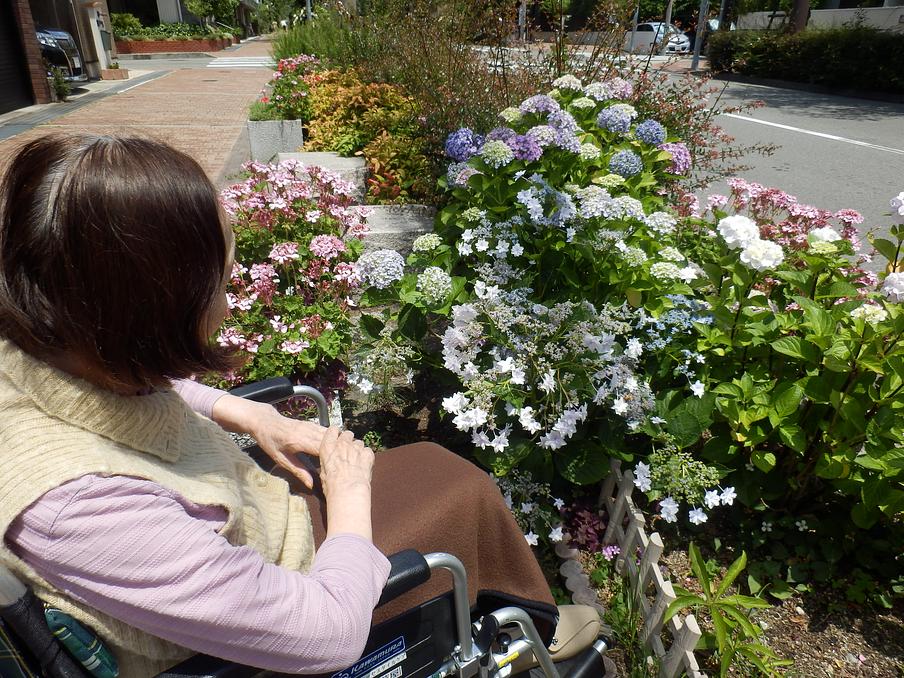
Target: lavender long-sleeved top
149,557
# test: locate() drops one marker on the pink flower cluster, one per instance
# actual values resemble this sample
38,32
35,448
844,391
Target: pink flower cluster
327,246
285,194
784,220
284,252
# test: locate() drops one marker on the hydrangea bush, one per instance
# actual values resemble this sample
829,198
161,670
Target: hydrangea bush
297,238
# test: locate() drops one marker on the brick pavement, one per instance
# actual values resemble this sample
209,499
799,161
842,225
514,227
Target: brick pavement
198,110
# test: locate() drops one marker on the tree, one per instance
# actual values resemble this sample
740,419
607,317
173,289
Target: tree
800,14
221,10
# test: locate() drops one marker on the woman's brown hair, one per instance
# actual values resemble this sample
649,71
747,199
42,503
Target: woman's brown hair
111,249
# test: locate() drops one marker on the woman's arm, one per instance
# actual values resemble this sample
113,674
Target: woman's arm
143,554
280,437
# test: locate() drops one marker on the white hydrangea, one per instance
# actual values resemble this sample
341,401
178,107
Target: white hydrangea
762,255
893,287
426,243
738,230
665,270
671,254
661,223
435,284
589,152
897,206
380,268
583,102
510,115
568,82
609,180
824,234
633,256
497,153
871,313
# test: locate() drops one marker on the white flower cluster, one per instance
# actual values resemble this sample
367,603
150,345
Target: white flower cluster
822,240
495,246
893,287
568,82
510,115
426,243
870,313
668,507
380,268
661,223
435,284
740,232
897,207
503,347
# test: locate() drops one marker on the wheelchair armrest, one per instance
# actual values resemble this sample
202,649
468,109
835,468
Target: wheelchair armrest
203,666
267,391
409,570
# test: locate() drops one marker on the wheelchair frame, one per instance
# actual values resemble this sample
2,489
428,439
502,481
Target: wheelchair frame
481,648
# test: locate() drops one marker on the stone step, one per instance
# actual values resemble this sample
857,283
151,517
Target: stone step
353,170
396,226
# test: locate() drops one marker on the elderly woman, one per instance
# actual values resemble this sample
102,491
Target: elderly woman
124,501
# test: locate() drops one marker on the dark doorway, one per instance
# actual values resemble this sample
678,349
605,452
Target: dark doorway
15,86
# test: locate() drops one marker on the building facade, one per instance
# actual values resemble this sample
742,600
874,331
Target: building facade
23,78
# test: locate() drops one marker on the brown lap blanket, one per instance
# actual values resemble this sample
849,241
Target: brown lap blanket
429,499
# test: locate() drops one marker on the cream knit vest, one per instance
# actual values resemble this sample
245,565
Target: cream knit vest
55,428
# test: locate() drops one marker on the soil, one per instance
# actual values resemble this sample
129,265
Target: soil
824,634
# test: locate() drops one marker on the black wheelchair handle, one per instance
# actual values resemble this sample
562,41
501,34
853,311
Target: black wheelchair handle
266,391
409,570
590,663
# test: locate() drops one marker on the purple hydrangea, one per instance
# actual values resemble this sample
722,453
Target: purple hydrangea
626,163
539,103
544,135
620,88
614,119
505,134
568,142
563,121
462,144
459,173
525,148
650,132
681,157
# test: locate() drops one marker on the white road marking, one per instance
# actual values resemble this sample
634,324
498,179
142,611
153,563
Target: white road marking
145,82
242,62
823,135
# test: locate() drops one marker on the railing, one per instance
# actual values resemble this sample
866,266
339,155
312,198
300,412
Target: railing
652,591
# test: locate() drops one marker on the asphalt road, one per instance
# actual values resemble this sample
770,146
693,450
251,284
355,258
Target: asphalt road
835,152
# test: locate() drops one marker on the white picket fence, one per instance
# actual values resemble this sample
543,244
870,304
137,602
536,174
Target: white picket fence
652,591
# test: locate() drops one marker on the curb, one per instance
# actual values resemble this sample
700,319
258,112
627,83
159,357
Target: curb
888,97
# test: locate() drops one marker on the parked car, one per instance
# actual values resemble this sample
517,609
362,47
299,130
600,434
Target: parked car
649,36
59,49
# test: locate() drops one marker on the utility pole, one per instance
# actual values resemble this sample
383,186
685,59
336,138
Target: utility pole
701,31
634,28
307,11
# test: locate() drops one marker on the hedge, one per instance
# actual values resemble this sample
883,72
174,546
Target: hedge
859,58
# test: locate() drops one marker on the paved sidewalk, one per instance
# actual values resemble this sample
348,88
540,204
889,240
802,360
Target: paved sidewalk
197,110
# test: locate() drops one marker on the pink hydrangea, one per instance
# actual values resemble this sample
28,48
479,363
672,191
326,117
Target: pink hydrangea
327,246
849,217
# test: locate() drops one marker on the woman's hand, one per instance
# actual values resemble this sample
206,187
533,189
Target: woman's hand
346,467
281,438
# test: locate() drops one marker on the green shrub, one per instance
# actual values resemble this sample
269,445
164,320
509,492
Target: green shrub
125,24
174,31
330,36
851,58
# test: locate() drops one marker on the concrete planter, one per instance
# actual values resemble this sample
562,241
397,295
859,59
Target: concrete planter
269,138
396,226
114,73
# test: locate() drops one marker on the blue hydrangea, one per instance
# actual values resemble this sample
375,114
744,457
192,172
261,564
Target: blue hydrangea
526,148
505,134
544,135
677,321
563,121
568,142
463,144
539,103
614,120
541,197
458,173
626,163
650,132
381,268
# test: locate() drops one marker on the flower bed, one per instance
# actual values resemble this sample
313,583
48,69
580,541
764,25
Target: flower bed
160,46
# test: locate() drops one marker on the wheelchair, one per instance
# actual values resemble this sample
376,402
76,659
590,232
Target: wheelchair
437,639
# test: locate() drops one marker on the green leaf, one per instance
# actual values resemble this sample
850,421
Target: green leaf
797,348
747,602
763,460
786,398
680,603
371,326
780,589
412,322
583,463
699,568
721,629
743,621
733,571
885,247
793,436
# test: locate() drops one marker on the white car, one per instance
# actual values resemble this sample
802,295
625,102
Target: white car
649,35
